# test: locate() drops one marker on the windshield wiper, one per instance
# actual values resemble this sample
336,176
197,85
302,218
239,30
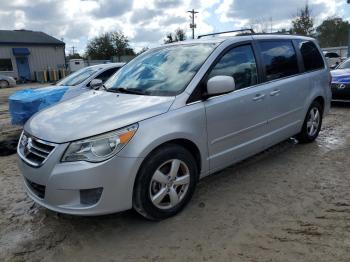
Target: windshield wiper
126,91
104,87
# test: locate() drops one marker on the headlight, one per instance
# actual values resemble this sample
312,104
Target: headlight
101,147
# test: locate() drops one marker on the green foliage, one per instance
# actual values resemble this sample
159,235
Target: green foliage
107,45
121,44
333,32
74,56
144,49
100,47
179,35
303,24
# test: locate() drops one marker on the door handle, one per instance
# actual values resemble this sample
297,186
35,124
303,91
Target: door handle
259,97
275,92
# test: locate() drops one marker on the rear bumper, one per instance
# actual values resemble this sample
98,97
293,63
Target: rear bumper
61,186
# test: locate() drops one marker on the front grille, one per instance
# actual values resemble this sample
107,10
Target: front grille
34,151
38,190
339,86
334,86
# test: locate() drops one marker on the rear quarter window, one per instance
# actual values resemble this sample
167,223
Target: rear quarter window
312,57
332,55
279,59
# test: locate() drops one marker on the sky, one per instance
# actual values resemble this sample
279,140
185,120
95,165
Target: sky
146,22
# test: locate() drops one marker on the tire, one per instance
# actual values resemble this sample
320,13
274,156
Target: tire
155,186
4,84
312,126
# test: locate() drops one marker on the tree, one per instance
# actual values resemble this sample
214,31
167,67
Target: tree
108,45
261,25
179,35
101,47
121,44
169,38
74,56
333,32
303,24
144,49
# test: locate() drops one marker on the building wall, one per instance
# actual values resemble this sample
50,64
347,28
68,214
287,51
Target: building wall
40,58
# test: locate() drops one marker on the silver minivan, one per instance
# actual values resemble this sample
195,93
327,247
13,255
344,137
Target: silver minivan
170,117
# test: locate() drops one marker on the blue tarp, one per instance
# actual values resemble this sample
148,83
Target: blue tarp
25,103
20,51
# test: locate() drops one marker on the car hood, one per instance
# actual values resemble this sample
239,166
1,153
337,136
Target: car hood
341,76
93,113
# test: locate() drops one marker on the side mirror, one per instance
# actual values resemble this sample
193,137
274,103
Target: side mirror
218,85
95,83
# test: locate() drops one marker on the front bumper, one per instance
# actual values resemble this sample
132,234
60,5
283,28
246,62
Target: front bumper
58,186
12,82
340,92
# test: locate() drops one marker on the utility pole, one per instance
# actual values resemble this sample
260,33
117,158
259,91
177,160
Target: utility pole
193,25
73,50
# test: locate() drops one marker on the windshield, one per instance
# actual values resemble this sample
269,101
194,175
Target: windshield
345,65
78,77
164,71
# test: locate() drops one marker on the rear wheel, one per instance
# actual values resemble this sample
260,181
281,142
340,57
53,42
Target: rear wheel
312,123
165,183
4,84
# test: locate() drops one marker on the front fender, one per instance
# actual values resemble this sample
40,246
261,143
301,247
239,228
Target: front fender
188,122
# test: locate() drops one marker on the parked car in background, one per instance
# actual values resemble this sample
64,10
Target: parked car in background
76,64
169,117
341,82
7,81
333,59
25,103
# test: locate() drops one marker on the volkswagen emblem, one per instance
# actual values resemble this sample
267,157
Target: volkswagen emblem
29,143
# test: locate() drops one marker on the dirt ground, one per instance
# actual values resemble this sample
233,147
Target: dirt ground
289,203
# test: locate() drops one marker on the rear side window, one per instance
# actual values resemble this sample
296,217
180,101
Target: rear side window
107,74
239,63
311,56
279,59
332,55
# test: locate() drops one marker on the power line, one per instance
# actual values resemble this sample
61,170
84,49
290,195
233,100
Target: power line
192,25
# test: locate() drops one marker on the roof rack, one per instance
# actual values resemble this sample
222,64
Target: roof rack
251,31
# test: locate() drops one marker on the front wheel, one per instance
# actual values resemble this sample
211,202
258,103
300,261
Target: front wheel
165,183
312,124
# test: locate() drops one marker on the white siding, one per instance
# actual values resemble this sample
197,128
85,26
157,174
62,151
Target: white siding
40,58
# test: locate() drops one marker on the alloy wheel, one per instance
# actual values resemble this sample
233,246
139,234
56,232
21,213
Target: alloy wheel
313,122
169,184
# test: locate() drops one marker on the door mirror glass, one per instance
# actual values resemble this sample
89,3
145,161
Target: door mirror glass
218,85
95,83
